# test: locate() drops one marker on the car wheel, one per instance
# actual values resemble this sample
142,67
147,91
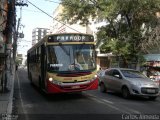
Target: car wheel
125,93
102,87
152,97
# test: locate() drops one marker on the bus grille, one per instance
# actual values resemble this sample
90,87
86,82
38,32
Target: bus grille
74,74
80,87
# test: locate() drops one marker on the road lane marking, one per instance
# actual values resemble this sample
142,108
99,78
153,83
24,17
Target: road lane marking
111,104
107,101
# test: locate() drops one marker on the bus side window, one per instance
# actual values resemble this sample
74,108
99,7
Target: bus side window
34,58
38,55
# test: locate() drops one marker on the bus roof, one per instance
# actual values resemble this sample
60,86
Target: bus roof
66,38
69,33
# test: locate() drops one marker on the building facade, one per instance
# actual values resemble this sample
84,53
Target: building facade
22,59
38,34
64,27
7,34
3,22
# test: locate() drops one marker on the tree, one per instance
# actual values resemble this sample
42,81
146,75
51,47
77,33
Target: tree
131,28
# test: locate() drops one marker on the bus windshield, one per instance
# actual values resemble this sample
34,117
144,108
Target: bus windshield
79,57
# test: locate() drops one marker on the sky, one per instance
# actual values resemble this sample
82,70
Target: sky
32,18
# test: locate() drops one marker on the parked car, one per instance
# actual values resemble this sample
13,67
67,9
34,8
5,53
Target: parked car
128,82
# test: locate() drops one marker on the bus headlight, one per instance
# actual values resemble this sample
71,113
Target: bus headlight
55,81
50,79
95,76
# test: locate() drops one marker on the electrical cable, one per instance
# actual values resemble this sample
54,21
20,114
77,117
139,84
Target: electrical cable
52,17
52,1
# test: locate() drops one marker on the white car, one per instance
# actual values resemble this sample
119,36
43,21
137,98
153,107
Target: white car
128,82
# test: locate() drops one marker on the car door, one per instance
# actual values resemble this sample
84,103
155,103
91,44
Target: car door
116,81
107,79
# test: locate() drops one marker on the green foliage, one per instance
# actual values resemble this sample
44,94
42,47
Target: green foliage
74,11
18,61
131,23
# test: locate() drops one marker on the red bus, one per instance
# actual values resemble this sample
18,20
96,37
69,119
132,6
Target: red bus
61,63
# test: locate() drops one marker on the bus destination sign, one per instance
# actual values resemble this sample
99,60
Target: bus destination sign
71,38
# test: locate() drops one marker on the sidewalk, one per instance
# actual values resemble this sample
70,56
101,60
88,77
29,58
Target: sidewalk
6,98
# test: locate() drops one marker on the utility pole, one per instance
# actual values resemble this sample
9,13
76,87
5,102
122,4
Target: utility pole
21,3
15,41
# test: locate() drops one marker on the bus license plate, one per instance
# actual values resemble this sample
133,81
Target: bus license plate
75,87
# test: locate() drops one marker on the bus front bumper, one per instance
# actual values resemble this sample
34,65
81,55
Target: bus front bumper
72,87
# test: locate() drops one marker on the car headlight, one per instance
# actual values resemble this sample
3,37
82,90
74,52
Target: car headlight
156,84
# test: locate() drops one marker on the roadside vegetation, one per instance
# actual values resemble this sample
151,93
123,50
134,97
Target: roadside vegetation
132,28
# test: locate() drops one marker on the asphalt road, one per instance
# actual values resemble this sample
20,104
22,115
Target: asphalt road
30,104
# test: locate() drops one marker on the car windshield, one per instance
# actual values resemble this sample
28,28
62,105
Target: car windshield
132,74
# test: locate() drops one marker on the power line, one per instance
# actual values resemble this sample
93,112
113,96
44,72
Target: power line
52,17
52,1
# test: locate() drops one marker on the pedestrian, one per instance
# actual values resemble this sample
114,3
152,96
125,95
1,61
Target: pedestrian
16,66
